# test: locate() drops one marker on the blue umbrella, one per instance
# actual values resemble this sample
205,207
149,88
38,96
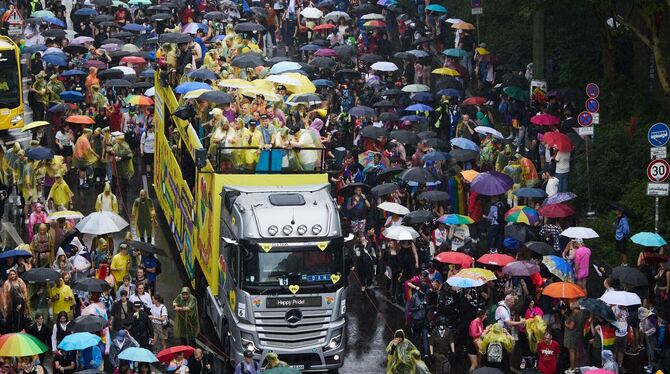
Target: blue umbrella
462,282
54,59
72,96
85,12
15,253
464,143
40,153
419,108
558,198
310,48
60,107
648,239
34,48
325,3
436,8
191,86
136,354
69,73
323,83
424,97
435,156
54,21
78,341
148,73
412,118
559,267
455,52
450,92
535,193
202,74
133,27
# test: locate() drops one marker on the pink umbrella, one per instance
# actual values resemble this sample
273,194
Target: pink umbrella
81,40
545,119
95,64
326,52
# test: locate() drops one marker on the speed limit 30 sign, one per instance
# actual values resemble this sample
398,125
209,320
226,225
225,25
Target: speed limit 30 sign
658,170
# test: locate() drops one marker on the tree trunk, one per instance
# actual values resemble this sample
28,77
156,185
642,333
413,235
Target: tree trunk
608,54
661,68
538,44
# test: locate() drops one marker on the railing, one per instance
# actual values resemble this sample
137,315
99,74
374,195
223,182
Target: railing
268,160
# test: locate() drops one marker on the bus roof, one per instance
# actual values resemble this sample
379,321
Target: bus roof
6,43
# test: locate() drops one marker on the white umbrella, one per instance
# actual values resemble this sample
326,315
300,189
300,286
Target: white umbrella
384,66
580,233
372,16
415,88
393,208
621,298
125,69
311,12
150,91
454,20
336,15
132,48
400,233
283,79
100,223
485,130
284,66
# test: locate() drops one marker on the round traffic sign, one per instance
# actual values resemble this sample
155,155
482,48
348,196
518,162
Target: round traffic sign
658,135
585,119
592,90
592,105
658,170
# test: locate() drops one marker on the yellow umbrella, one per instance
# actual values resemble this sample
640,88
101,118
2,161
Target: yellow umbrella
235,83
482,51
447,71
463,26
195,93
67,214
253,91
477,273
35,124
305,86
263,84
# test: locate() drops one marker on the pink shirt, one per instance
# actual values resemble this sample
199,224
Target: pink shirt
476,328
582,258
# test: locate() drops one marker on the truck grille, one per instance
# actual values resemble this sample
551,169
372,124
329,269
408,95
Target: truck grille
311,330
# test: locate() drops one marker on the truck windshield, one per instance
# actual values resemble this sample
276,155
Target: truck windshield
9,80
283,265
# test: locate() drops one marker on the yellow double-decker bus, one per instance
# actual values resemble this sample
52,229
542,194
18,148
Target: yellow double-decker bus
11,90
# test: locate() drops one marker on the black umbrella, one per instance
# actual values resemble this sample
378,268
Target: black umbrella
404,137
404,56
90,371
348,190
322,62
384,189
40,153
363,111
463,155
630,276
417,175
372,132
427,134
507,67
175,4
161,17
59,108
320,42
392,92
248,27
371,58
598,308
214,16
541,248
448,82
40,275
91,285
383,104
344,50
102,2
53,33
118,83
388,116
247,60
216,97
174,37
122,34
142,85
102,18
259,11
618,206
277,59
202,74
364,9
520,232
347,74
437,143
434,196
87,323
108,24
418,217
110,74
159,8
146,247
72,49
118,54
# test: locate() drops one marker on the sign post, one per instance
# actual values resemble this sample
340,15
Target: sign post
477,7
15,22
586,120
658,169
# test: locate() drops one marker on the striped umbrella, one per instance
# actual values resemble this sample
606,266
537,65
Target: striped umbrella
522,214
455,219
559,267
20,345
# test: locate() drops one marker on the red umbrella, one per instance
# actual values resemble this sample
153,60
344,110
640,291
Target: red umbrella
325,52
475,100
168,354
545,119
558,140
556,210
134,60
80,120
457,258
325,26
495,259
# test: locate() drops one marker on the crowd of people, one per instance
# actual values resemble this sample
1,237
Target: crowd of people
453,181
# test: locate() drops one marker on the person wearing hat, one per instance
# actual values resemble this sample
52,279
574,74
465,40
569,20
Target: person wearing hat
144,216
187,319
60,195
54,88
122,341
62,298
141,328
252,140
40,92
248,365
124,170
273,361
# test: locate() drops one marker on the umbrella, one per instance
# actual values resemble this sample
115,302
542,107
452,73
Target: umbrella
630,276
192,28
146,247
463,26
73,72
191,86
384,189
126,70
598,308
14,253
34,125
384,66
621,298
346,74
373,132
394,208
336,15
545,119
487,370
418,217
65,214
391,92
418,53
451,92
464,143
469,175
168,354
436,8
72,96
174,37
520,232
91,285
435,156
40,275
323,83
521,268
455,219
20,345
558,140
363,111
416,88
95,64
39,153
284,66
325,26
374,24
371,58
559,197
59,108
579,233
139,100
53,33
522,214
556,210
216,97
133,27
99,223
484,130
463,282
54,59
564,290
425,97
495,259
457,258
349,189
214,16
163,17
540,248
491,183
427,134
433,196
136,354
616,206
447,71
481,273
118,83
311,12
404,56
322,62
462,155
455,53
248,27
516,93
417,174
87,323
535,193
475,100
110,74
136,60
400,233
390,172
559,267
648,239
419,108
85,12
325,52
404,136
78,341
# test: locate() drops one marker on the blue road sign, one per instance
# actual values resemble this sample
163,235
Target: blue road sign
658,134
592,105
585,119
592,90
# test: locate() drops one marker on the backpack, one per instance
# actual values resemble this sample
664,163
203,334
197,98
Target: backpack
491,314
131,138
494,352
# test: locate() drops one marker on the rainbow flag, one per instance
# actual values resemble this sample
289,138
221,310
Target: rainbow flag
608,337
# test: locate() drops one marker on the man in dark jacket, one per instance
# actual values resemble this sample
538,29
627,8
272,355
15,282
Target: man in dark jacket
141,329
185,57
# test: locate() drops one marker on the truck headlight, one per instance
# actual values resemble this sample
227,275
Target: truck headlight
316,229
16,119
343,307
248,343
273,230
287,230
334,343
302,229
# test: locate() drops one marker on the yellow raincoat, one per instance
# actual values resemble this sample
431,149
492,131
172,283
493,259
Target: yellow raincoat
535,329
496,333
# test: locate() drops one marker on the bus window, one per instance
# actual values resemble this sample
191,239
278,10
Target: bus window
9,80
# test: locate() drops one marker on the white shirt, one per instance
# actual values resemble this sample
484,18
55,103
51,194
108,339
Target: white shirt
147,141
552,187
63,139
158,311
562,162
145,299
